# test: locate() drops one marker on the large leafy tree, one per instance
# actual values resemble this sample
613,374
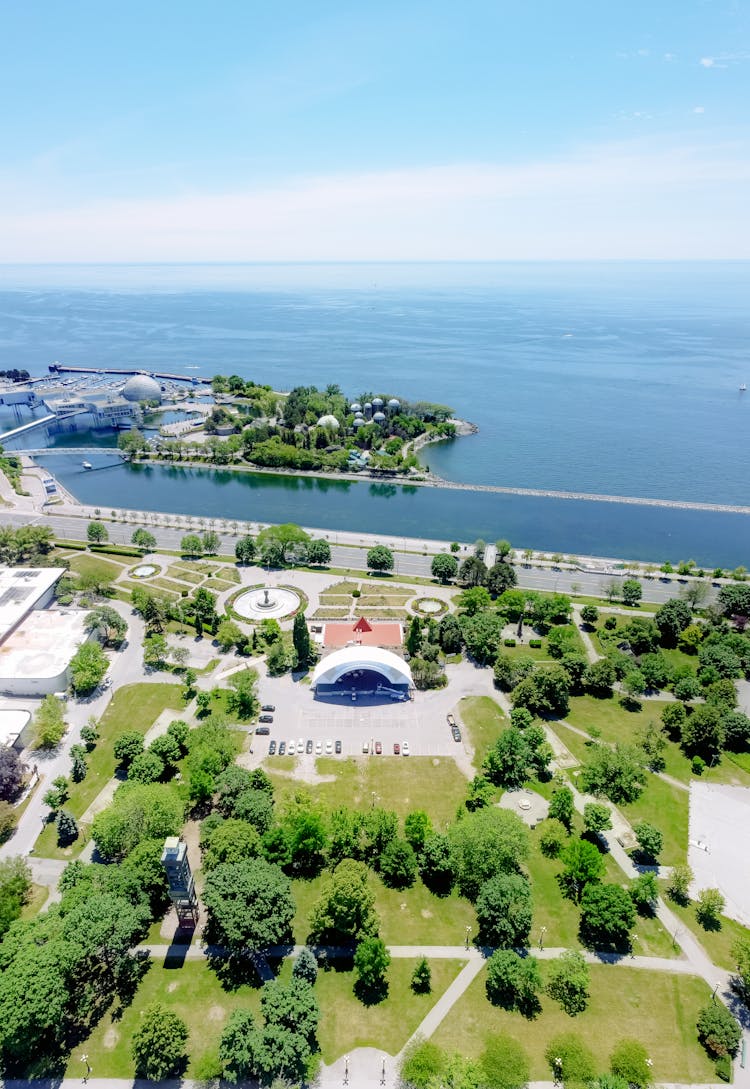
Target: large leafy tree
507,763
11,773
568,982
379,558
501,577
249,903
371,962
158,1046
618,774
301,639
444,567
504,911
87,668
514,982
607,916
734,602
672,618
345,911
583,866
138,811
107,624
485,843
504,1063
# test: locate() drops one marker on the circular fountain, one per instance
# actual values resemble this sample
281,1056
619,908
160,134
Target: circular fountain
144,571
268,602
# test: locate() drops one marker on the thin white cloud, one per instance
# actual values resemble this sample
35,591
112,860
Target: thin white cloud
724,60
629,199
699,109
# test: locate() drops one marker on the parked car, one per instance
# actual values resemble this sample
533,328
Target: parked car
365,747
291,747
318,747
268,707
338,748
329,745
405,748
451,720
456,733
378,748
301,745
308,746
262,730
396,748
271,747
265,718
282,748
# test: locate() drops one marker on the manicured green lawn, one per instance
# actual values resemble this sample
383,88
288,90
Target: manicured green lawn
717,943
485,721
407,916
37,899
193,991
665,806
654,1007
560,915
434,784
83,564
346,1023
134,707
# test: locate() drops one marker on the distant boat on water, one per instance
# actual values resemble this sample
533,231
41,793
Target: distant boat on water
743,388
87,465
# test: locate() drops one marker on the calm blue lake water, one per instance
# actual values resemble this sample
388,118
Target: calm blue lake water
620,378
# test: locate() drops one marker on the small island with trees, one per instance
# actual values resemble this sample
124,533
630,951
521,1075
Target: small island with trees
306,430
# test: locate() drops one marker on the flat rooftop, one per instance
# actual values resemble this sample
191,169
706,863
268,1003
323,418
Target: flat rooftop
20,590
364,633
42,646
11,725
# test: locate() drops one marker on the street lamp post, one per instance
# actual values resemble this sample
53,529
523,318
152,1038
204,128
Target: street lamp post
557,1063
713,996
87,1075
346,1070
382,1072
468,934
542,932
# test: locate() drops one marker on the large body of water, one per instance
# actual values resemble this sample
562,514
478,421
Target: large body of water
610,378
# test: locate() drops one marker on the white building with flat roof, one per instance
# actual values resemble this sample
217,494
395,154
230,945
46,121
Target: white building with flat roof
36,643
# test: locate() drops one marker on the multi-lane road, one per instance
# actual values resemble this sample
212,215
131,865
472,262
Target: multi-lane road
354,556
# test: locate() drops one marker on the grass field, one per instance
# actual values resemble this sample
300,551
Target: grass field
184,574
83,564
407,916
193,992
717,943
134,707
346,1023
419,782
665,806
654,1007
485,721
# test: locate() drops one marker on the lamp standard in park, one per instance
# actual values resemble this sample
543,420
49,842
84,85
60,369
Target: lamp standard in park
542,932
87,1075
557,1064
468,934
382,1072
346,1069
713,996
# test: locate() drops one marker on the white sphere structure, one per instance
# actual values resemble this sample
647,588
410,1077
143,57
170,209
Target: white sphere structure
379,417
394,405
142,387
377,402
330,422
355,408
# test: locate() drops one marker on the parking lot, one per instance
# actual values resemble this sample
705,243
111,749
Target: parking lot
298,714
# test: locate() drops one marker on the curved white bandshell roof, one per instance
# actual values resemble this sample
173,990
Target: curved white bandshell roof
335,665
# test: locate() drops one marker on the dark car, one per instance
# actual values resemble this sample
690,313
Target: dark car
456,733
378,748
268,707
265,718
308,745
271,748
282,748
396,748
262,730
338,748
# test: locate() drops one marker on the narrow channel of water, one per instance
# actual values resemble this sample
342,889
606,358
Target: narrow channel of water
577,527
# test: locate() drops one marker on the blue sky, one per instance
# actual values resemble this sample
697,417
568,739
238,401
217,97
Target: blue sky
325,131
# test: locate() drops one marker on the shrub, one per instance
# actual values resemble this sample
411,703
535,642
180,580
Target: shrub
569,1059
504,1063
421,980
552,837
718,1030
630,1061
509,642
536,644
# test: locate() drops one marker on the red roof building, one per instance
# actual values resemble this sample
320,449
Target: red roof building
364,633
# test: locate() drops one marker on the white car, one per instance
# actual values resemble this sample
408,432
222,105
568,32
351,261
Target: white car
291,747
318,747
365,747
301,745
404,748
329,745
